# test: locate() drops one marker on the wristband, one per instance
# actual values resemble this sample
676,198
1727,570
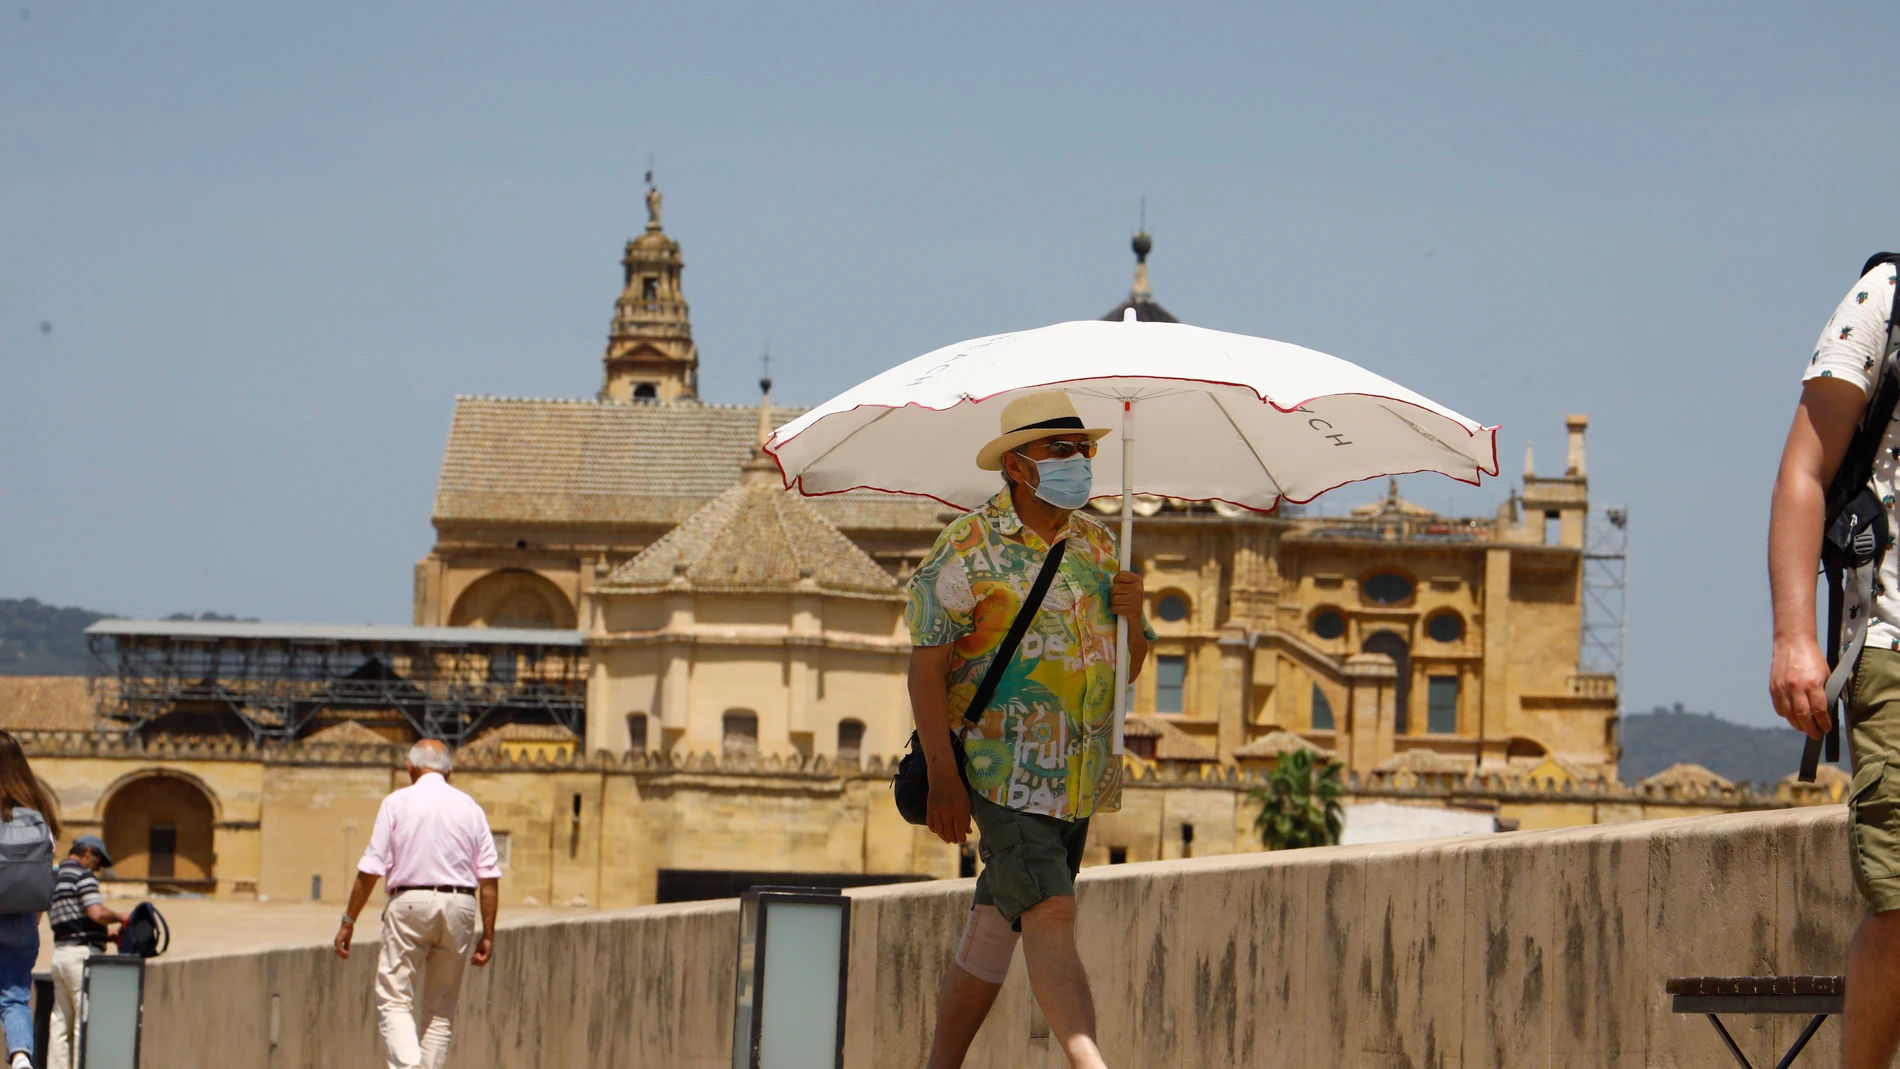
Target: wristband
348,920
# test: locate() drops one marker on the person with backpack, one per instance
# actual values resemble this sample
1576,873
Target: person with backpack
29,825
1012,623
1832,507
80,919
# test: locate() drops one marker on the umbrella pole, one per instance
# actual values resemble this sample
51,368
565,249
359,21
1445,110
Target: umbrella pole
1127,557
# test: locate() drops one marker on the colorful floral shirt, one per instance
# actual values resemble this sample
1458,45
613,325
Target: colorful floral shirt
1853,347
1042,745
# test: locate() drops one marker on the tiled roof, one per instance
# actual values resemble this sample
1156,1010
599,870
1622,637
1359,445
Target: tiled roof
545,461
1275,743
754,536
1171,743
1422,761
492,739
1690,776
45,703
348,733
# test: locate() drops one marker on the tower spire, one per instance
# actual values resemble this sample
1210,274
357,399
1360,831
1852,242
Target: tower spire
650,352
761,469
1140,297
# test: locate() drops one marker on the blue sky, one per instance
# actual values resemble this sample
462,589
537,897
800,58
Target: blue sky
273,243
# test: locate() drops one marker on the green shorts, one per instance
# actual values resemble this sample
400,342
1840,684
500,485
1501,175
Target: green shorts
1027,857
1873,802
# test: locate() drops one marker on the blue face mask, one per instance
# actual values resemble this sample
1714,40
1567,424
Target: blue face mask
1065,483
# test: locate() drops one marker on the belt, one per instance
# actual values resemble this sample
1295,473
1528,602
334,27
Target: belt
447,890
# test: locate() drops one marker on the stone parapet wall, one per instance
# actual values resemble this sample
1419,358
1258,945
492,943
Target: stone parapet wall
1534,948
1422,786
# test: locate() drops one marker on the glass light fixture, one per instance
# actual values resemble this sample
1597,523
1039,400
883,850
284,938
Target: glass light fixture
794,946
110,1014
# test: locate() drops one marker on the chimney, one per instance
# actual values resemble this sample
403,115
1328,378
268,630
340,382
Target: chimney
1530,462
1575,424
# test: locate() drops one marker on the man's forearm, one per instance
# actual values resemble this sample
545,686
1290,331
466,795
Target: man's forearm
360,892
490,896
1794,552
930,703
1137,650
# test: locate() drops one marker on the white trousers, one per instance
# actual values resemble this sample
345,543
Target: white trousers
427,937
69,973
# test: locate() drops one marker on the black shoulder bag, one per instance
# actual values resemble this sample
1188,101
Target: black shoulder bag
911,785
1855,534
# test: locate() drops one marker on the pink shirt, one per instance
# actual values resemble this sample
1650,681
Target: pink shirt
429,834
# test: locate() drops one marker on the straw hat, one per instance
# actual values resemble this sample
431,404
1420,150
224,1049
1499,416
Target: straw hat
1033,416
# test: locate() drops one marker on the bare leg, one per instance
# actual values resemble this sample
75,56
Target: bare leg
962,1004
1870,1021
1056,976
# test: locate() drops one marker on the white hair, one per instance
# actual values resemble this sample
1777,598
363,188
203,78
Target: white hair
429,758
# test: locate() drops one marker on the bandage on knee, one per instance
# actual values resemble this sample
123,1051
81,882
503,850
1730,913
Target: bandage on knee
988,943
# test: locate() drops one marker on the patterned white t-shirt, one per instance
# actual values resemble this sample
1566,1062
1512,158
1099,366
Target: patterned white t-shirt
1852,347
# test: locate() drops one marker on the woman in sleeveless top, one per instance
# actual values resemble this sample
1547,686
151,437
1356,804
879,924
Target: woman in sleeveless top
20,791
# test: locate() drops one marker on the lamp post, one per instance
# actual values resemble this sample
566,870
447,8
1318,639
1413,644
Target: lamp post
794,945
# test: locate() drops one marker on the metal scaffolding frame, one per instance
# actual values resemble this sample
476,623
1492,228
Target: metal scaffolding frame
1605,593
447,683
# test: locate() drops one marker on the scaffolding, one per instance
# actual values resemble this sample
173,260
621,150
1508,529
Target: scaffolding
279,681
1605,594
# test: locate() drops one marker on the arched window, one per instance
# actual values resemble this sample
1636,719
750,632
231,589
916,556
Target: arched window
1393,645
739,733
637,732
646,391
1322,710
850,739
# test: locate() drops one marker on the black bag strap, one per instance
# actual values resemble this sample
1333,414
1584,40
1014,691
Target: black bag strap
1025,616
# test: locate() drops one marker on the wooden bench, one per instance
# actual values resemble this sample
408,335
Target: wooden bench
1713,995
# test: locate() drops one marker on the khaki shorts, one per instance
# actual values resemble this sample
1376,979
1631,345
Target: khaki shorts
1027,857
1873,802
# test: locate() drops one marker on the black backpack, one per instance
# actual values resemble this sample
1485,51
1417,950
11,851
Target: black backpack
1855,534
144,932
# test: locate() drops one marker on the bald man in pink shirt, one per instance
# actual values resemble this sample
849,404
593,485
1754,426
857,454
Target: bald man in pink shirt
432,845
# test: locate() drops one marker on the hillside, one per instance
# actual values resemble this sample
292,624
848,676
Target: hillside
49,640
43,640
1655,740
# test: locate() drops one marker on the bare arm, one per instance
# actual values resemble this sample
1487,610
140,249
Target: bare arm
1125,596
949,806
102,915
1818,440
359,897
490,892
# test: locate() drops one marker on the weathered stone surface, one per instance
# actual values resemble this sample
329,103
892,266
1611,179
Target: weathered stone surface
1527,949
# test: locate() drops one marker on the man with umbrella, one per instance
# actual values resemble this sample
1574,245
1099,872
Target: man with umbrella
1040,753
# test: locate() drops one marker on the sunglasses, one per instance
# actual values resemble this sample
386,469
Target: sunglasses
1062,450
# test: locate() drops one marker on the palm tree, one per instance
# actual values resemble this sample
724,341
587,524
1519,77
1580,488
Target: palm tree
1299,807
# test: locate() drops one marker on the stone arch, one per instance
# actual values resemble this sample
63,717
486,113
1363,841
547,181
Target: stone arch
1393,645
513,597
160,826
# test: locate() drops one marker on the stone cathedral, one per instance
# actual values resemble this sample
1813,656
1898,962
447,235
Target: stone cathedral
726,616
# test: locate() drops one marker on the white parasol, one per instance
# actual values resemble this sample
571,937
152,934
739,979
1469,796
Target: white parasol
1222,417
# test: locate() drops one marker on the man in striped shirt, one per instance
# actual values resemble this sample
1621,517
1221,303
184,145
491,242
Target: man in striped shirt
79,917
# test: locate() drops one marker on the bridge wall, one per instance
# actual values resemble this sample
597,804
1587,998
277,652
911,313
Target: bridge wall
1542,948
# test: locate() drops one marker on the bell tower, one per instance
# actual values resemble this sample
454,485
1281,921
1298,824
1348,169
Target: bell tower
650,354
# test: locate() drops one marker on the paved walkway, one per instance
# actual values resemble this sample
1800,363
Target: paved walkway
202,926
